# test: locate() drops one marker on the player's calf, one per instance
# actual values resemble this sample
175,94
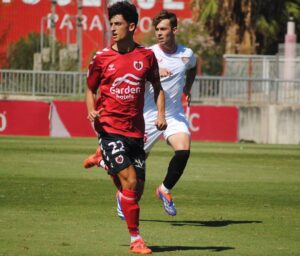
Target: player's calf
176,168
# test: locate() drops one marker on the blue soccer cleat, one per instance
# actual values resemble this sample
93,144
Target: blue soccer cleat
167,201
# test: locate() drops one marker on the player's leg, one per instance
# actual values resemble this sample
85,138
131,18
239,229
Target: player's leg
180,142
139,190
130,208
152,135
128,199
178,137
137,157
95,159
117,154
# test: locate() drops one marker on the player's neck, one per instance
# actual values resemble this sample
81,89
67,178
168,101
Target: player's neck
169,49
124,47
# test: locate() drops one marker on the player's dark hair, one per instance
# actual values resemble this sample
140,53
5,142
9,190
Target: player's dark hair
126,9
163,15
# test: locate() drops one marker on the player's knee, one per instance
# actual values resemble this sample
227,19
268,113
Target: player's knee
182,155
129,183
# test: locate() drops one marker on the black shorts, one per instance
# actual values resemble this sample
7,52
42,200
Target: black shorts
119,152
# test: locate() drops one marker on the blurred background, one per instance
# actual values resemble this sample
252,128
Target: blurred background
248,79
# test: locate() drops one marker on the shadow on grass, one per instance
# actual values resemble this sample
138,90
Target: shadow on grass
170,248
188,248
210,223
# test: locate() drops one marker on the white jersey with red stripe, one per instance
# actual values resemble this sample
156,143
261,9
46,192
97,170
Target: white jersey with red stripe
177,63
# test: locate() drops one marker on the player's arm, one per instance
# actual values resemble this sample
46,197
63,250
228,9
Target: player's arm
90,100
190,78
93,80
159,98
159,95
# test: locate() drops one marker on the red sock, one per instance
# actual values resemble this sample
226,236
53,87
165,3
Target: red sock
131,211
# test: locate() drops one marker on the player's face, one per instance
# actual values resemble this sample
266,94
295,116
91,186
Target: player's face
120,28
165,34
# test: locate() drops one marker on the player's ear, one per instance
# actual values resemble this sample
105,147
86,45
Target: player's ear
132,27
174,29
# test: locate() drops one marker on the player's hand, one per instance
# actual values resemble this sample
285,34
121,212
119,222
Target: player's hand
163,72
187,96
94,114
161,123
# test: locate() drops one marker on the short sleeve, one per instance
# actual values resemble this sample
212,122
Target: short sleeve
192,59
94,74
153,75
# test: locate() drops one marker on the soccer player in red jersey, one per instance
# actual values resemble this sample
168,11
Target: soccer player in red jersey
119,73
177,67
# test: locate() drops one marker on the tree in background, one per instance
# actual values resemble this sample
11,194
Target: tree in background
246,26
271,18
21,54
208,52
228,22
194,36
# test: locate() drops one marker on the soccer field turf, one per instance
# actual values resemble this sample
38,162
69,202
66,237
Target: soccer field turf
233,199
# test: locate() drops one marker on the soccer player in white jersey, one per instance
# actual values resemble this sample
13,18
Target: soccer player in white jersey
177,65
177,68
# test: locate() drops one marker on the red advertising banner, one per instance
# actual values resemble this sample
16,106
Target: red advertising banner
69,119
24,118
18,18
214,123
207,123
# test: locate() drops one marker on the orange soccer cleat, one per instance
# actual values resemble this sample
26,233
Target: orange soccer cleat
139,247
93,160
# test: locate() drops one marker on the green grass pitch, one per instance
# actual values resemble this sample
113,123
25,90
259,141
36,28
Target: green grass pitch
233,199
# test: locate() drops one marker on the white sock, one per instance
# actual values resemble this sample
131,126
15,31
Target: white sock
134,238
102,164
164,189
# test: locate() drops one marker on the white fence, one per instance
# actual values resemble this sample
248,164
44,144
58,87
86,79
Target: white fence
245,90
206,89
41,83
261,66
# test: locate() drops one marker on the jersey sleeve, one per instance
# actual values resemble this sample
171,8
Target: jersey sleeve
94,74
192,59
153,75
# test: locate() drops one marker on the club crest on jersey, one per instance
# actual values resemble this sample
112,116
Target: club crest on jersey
138,65
119,159
111,67
185,59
